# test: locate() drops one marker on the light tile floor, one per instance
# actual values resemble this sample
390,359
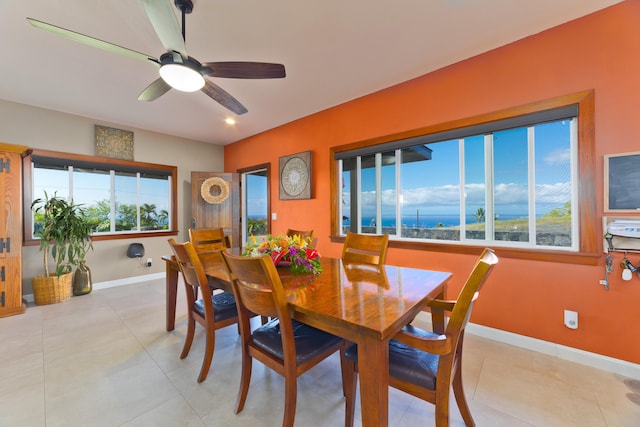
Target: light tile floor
105,359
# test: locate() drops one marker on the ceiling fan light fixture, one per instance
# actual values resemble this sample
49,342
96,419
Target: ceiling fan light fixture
182,77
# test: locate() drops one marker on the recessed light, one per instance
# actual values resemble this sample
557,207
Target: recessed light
230,121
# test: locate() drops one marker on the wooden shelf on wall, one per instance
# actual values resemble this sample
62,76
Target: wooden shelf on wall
11,230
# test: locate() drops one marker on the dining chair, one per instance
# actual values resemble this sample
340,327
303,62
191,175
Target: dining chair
212,310
208,242
365,248
304,234
287,346
428,365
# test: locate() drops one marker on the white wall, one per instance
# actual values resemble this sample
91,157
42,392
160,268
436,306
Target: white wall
51,130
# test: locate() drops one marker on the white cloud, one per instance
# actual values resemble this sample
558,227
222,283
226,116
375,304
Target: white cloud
558,157
558,193
506,194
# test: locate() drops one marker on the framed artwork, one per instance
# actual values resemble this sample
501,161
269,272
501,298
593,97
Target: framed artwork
295,176
622,182
114,143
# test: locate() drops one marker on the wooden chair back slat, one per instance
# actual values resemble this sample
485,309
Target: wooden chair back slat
365,248
469,293
304,234
208,242
189,264
257,285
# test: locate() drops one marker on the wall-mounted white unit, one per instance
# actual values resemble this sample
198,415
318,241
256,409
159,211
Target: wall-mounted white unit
625,232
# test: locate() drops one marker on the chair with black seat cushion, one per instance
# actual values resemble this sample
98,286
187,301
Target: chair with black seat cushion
288,347
213,310
425,364
365,248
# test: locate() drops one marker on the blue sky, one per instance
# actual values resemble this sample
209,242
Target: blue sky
432,187
90,188
256,196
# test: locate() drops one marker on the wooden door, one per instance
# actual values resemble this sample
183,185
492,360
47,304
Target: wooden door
215,202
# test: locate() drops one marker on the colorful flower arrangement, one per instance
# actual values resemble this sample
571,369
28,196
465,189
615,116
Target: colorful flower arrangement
292,251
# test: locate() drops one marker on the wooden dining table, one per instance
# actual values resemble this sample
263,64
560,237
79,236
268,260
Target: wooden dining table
364,304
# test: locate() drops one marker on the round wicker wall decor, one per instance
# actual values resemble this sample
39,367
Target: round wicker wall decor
220,187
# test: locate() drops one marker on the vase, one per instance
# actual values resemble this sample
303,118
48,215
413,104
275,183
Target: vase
82,284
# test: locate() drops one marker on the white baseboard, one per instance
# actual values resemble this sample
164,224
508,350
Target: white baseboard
114,283
128,280
616,366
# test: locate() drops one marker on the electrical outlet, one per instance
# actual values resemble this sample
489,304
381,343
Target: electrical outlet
149,262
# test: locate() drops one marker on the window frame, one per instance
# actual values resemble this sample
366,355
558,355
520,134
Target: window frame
107,164
588,245
244,217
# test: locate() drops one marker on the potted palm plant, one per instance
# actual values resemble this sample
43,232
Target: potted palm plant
65,235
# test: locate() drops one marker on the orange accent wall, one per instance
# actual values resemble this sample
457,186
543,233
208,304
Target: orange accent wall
601,52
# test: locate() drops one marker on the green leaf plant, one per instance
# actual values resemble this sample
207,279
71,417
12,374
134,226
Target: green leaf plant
65,232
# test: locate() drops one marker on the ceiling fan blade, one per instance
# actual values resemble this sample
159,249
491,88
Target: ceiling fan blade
246,70
163,20
223,97
91,41
154,91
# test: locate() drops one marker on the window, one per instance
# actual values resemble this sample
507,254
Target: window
255,200
120,198
508,179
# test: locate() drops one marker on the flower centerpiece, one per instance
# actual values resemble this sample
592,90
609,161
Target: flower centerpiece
292,251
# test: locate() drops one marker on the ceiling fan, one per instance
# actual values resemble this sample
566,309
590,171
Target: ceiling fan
177,69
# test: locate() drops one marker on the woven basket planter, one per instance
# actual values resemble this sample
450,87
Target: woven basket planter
52,289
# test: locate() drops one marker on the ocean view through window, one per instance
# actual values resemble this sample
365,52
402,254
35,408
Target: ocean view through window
255,201
511,182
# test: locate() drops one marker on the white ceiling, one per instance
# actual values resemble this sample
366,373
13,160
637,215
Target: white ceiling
333,51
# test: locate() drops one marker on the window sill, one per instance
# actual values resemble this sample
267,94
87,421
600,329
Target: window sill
581,258
99,237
